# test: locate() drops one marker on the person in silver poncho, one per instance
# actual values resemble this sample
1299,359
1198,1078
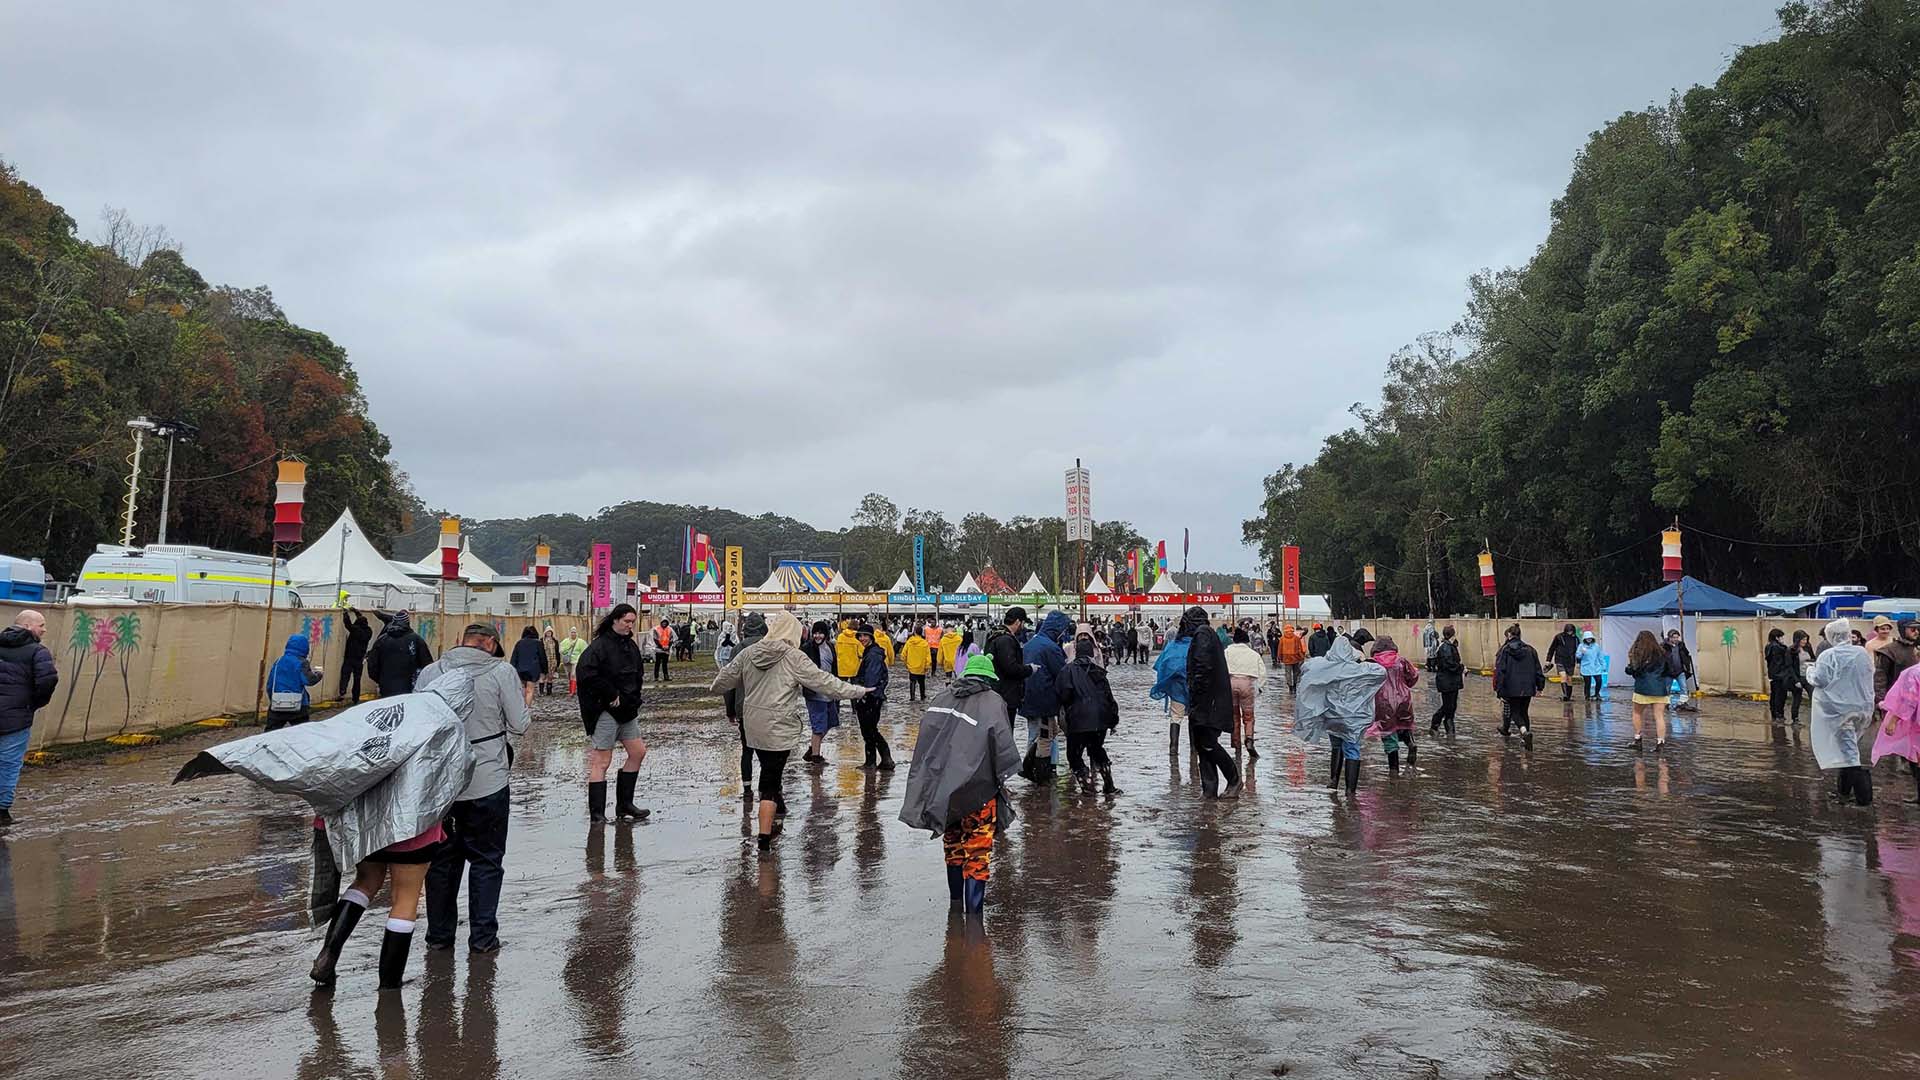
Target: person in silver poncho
381,776
1335,702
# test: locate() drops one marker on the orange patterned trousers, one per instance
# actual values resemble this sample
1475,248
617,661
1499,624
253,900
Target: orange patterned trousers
969,845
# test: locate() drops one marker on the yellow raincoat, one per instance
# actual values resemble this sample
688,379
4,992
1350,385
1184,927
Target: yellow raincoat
919,657
881,639
949,649
846,653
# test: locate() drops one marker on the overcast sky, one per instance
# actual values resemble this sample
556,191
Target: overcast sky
773,257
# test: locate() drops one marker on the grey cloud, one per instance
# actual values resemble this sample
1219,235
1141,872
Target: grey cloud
685,243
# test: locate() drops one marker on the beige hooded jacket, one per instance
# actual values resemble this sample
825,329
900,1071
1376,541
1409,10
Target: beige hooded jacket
771,672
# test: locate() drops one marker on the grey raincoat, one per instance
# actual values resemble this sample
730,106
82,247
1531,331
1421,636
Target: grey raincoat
377,773
1336,694
964,753
1842,681
772,671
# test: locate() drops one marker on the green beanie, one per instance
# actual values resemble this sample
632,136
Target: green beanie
981,665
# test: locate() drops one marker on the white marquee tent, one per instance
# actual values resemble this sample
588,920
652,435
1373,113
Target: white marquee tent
342,560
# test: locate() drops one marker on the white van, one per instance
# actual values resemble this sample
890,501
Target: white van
181,574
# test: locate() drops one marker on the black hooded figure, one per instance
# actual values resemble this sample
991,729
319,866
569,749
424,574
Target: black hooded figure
359,633
1209,704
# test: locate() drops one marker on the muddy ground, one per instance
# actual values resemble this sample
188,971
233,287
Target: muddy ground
1572,908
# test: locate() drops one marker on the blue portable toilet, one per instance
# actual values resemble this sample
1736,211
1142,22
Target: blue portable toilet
22,579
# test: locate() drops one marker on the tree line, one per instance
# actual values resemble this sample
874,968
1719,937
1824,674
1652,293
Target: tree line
875,547
93,334
1722,326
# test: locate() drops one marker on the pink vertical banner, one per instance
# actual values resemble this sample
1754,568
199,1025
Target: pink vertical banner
603,575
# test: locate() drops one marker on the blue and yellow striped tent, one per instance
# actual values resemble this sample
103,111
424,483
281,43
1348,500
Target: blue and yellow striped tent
805,577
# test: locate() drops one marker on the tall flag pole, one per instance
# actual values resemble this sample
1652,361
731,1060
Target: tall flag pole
289,501
1487,586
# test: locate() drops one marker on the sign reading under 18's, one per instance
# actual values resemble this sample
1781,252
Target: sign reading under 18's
603,575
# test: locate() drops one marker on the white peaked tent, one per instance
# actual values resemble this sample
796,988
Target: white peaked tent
1033,585
472,567
967,584
901,584
1163,585
838,584
773,584
1098,584
342,555
706,584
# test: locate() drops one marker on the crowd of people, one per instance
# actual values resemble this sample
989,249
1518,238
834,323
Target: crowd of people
998,699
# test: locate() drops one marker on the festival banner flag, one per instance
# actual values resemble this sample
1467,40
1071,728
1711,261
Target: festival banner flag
686,552
1670,554
1160,557
1366,580
736,584
602,572
1290,575
542,561
1486,573
449,549
289,499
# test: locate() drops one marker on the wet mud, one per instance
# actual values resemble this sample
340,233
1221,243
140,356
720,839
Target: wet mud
1565,908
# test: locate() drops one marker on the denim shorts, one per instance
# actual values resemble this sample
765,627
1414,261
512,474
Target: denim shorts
822,716
607,731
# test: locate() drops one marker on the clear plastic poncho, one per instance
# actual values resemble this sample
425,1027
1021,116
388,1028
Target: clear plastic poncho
1336,694
1842,681
377,773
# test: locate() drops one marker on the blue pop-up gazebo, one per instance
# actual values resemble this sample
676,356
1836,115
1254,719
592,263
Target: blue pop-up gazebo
1675,604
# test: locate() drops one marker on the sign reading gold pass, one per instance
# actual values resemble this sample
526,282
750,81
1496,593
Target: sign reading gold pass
736,560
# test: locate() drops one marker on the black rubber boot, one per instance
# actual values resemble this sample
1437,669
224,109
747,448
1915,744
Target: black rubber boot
1353,776
886,759
954,881
1845,789
1413,752
346,916
1106,775
1393,763
393,958
1173,738
597,801
974,896
1252,754
623,787
1914,768
1339,759
1862,785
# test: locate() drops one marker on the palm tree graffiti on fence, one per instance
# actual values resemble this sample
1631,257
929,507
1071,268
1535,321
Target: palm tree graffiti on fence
126,629
105,637
79,640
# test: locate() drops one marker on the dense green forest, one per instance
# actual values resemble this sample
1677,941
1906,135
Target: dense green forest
1723,325
95,334
872,550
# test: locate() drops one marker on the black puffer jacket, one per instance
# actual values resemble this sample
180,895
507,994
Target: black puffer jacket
1517,672
1209,690
1009,668
610,675
396,658
27,678
1780,663
1564,650
1449,674
1087,697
